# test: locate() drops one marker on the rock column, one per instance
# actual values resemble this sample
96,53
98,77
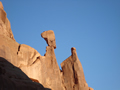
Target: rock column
73,75
50,70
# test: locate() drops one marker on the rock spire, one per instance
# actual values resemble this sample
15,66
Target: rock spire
51,72
1,6
22,67
72,73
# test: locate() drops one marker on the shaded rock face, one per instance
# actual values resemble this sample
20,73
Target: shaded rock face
12,78
36,71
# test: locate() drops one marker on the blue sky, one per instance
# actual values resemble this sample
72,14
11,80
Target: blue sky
91,26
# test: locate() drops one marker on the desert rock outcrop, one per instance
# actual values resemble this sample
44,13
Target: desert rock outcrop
12,78
27,54
22,67
50,69
73,75
49,37
5,28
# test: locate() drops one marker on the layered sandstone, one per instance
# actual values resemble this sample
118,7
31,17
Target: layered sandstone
36,69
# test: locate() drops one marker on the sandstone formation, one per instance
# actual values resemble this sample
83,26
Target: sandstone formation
49,37
12,78
50,69
22,67
72,73
28,55
5,28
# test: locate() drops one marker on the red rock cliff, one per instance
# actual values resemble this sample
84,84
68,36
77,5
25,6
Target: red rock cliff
22,67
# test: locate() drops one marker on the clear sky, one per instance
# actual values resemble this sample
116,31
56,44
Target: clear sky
91,26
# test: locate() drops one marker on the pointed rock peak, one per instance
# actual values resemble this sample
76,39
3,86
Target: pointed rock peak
49,37
1,6
73,72
5,27
73,50
74,54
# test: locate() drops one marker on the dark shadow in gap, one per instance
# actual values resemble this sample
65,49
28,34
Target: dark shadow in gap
12,78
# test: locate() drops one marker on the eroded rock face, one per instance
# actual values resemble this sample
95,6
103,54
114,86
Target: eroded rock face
29,62
91,88
51,77
72,71
9,49
49,37
5,27
27,54
39,69
1,6
12,78
50,70
43,69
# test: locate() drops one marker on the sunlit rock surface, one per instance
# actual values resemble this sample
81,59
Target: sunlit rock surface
5,28
73,75
49,36
22,67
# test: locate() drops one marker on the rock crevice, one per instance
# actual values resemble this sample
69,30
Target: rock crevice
73,74
30,68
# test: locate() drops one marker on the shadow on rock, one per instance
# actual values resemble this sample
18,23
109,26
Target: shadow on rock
12,78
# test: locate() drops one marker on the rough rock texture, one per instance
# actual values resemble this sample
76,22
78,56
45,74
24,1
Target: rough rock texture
49,36
44,69
8,50
28,55
50,70
5,28
51,77
72,71
36,69
12,78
